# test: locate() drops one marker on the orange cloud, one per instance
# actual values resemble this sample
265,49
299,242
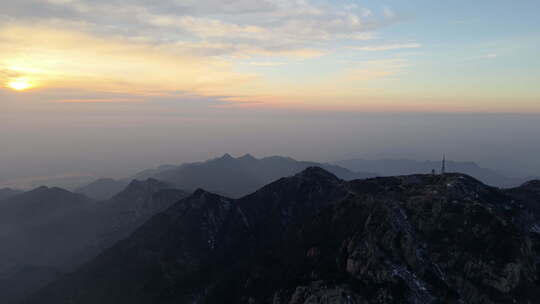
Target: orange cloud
58,58
104,100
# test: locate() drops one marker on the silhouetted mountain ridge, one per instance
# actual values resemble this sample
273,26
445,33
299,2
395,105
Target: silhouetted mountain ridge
55,227
239,176
38,206
314,238
128,209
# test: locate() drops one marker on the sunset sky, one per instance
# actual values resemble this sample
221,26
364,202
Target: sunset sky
130,84
333,55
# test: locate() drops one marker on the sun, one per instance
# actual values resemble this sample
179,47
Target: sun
19,85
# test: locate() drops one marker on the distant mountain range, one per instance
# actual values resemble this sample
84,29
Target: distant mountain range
235,177
39,231
314,238
103,188
66,181
47,231
50,216
225,175
393,167
325,233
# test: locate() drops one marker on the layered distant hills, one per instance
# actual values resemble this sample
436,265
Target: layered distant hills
47,231
53,218
239,176
225,175
51,226
274,230
315,238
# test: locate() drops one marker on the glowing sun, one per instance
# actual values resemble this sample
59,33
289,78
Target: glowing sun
19,85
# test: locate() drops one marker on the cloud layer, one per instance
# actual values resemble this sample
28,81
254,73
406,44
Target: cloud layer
158,47
237,27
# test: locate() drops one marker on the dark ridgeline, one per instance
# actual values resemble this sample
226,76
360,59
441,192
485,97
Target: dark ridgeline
314,238
85,227
129,209
393,167
236,177
43,225
47,231
226,175
39,229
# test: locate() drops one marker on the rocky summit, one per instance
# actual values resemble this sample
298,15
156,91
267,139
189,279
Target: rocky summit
313,239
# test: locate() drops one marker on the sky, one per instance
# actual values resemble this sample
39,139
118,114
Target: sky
108,87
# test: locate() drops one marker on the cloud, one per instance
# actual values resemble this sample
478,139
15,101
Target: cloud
388,12
153,48
389,47
347,88
266,64
98,100
268,25
60,58
7,75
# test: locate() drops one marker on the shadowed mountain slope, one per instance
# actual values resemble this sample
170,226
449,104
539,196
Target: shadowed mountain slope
19,281
58,229
129,209
314,238
43,226
6,193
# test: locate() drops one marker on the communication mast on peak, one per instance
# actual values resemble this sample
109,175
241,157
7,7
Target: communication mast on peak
443,168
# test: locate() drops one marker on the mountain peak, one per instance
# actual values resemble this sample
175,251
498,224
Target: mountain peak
317,172
50,190
247,157
236,177
226,156
136,184
200,192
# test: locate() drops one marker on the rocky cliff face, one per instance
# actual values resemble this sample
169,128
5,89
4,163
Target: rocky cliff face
314,238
